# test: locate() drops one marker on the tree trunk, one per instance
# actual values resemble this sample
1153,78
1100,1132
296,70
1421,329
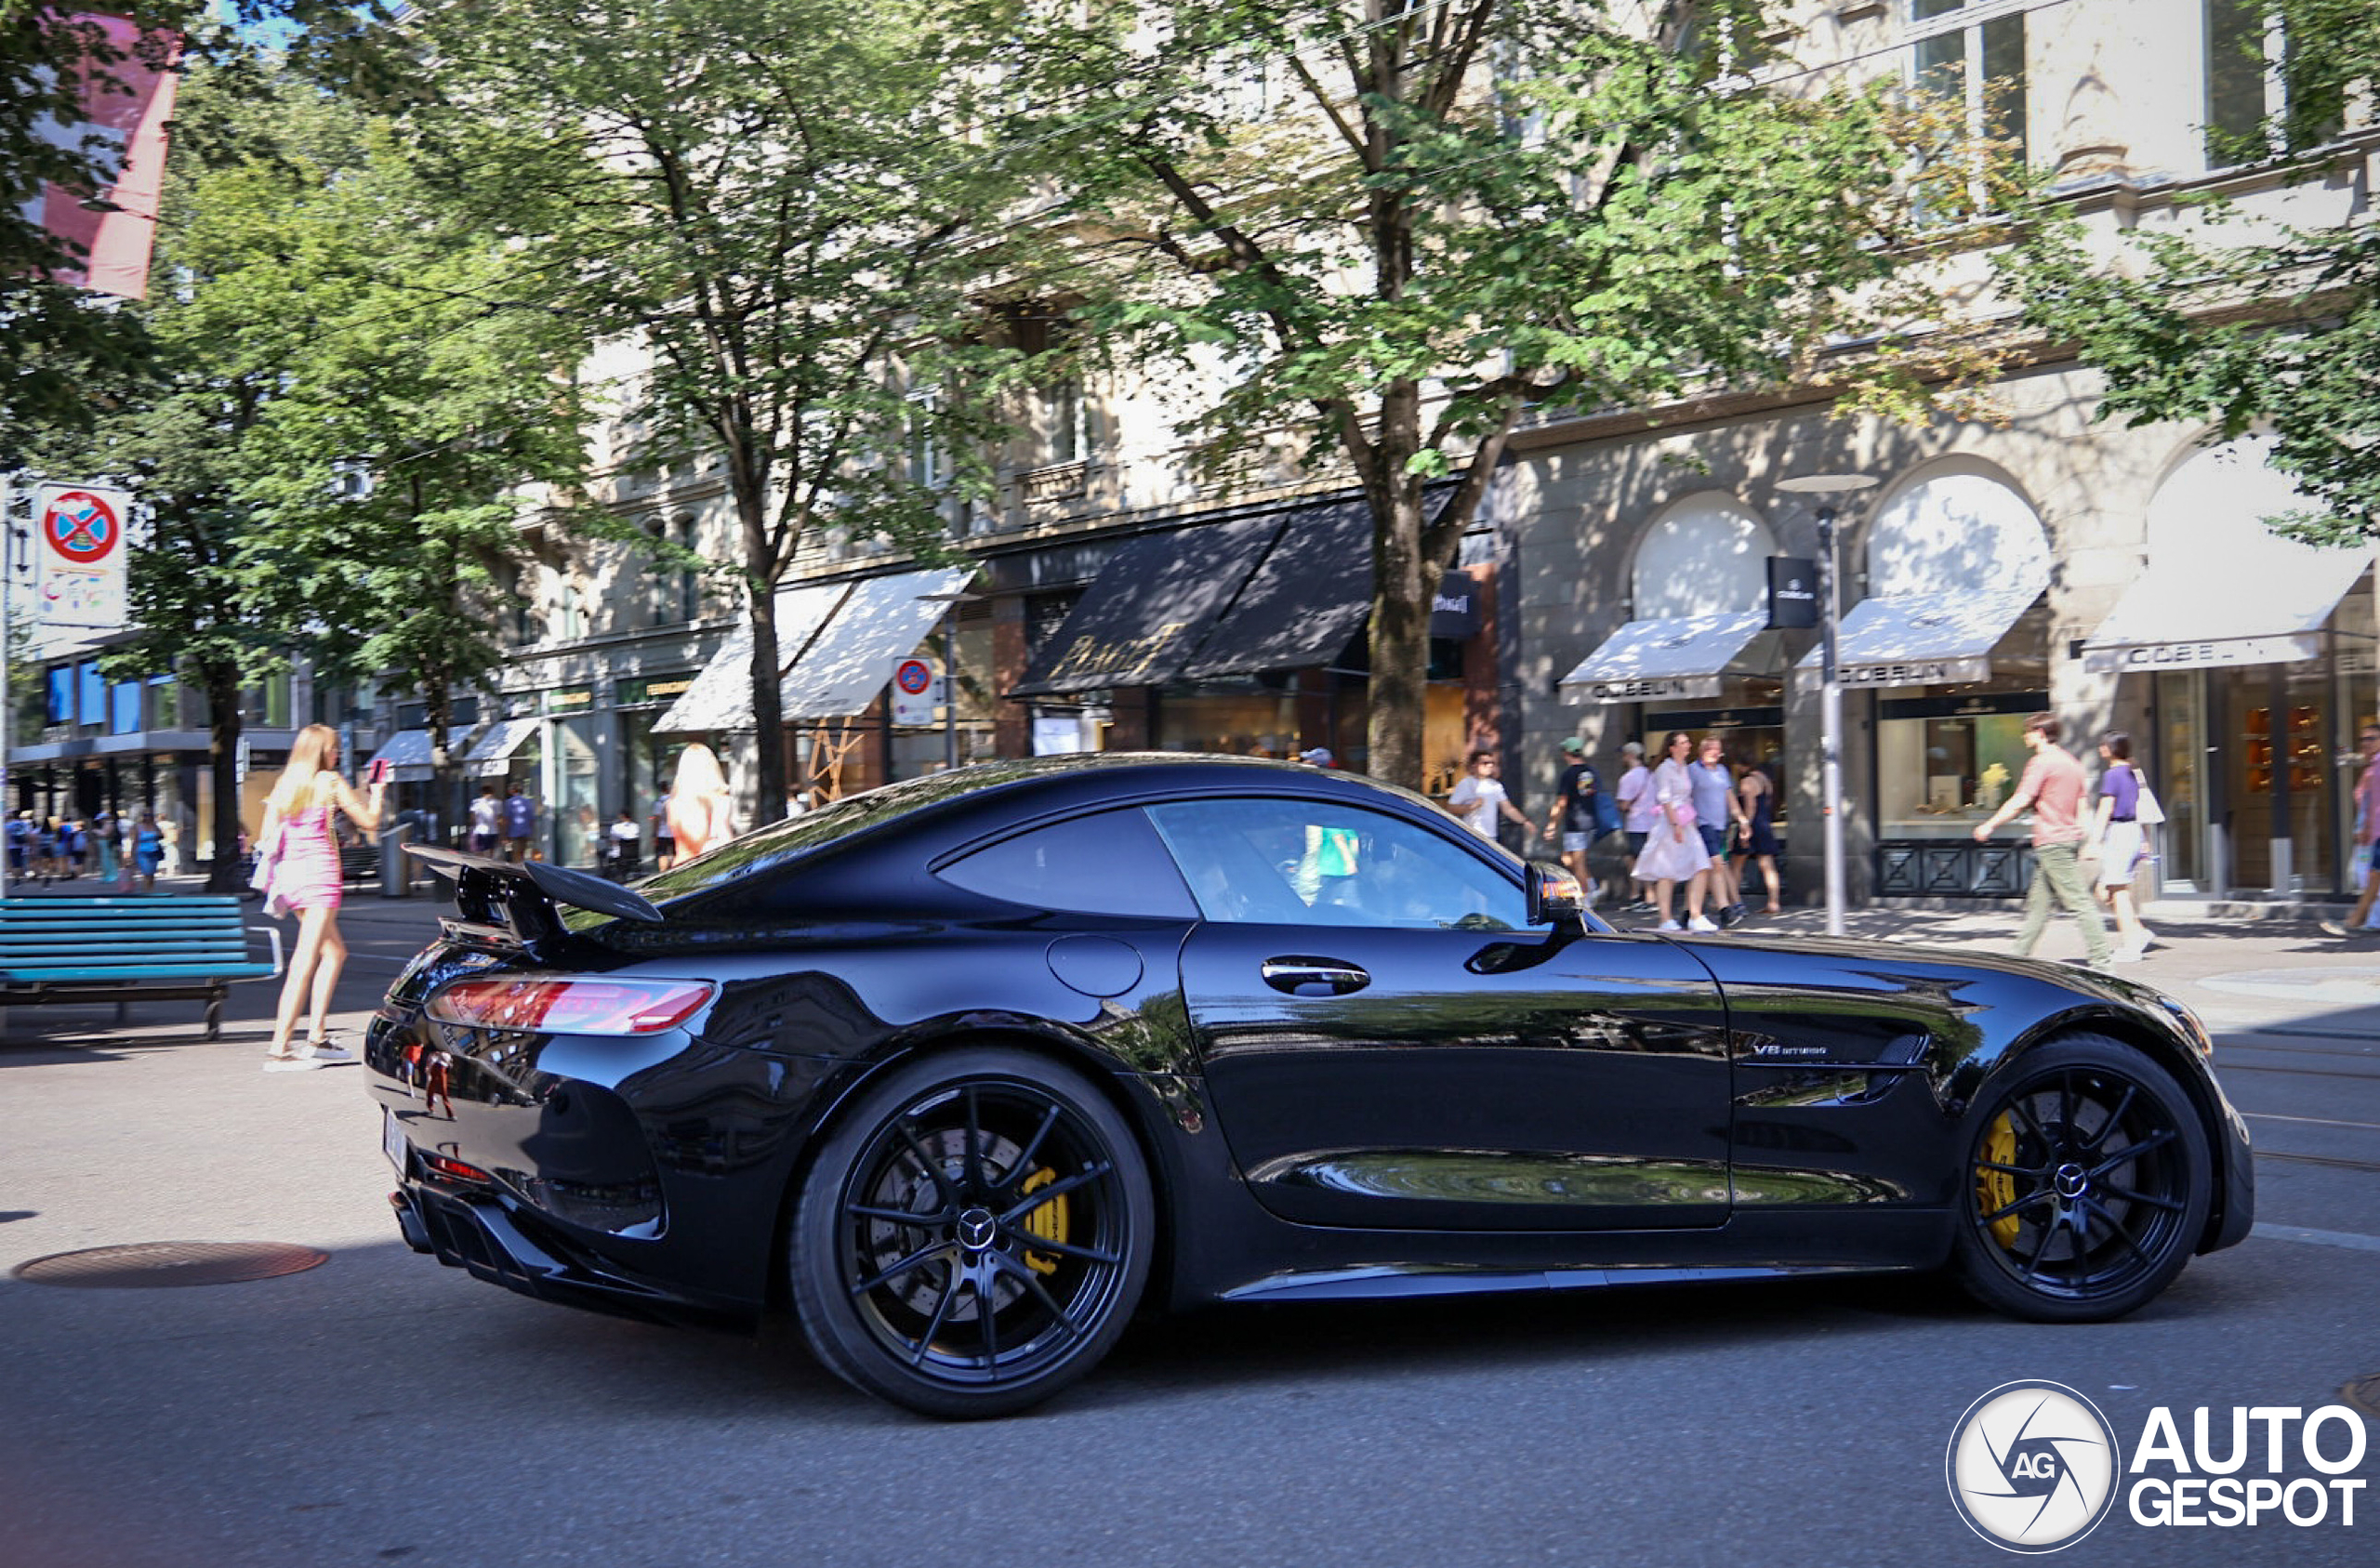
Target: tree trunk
446,790
1401,596
768,711
223,760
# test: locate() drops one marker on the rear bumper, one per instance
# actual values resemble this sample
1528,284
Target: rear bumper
493,1241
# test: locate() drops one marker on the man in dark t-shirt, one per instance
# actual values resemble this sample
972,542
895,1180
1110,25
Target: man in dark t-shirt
1576,799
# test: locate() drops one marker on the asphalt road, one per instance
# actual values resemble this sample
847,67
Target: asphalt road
381,1409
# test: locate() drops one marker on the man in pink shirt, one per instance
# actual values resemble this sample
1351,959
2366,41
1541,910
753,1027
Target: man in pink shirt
2052,787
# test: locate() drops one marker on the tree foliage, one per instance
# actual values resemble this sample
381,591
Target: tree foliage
759,199
2245,324
329,432
1405,226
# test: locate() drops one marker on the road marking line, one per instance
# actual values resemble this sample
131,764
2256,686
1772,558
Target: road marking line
2309,1121
2315,1238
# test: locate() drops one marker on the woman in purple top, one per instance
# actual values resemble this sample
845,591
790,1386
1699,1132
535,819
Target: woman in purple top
2123,845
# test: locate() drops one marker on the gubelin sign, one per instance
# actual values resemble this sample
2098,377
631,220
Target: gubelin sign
1915,672
2206,652
1645,689
1792,593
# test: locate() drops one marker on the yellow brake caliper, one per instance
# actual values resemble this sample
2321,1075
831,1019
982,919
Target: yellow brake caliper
1048,1221
1997,1189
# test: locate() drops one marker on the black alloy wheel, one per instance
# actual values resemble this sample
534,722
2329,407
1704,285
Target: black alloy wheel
2088,1186
974,1236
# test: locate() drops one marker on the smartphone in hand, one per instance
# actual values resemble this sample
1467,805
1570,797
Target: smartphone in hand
379,773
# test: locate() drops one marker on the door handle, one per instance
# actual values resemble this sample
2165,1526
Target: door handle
1313,977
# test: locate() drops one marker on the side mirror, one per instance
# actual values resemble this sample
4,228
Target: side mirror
1555,896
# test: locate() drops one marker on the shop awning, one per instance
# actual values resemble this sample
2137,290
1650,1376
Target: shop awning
2195,614
1150,609
1683,656
408,757
1303,604
721,697
490,755
1925,639
879,623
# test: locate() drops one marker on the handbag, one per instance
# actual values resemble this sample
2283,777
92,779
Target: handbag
2145,809
267,868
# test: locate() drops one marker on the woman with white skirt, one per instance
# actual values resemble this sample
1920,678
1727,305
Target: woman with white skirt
2121,841
1673,852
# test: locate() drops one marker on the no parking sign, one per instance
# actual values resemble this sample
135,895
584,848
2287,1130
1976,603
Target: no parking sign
78,534
913,691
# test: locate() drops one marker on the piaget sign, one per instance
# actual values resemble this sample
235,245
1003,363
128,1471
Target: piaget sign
1114,664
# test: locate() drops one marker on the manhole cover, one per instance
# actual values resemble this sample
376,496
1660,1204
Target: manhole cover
2364,1395
152,1265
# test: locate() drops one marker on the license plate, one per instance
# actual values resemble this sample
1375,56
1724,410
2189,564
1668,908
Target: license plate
392,1139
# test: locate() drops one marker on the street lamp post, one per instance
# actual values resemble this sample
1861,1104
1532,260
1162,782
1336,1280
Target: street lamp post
950,603
1830,680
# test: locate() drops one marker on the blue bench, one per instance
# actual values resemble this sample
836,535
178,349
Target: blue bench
105,948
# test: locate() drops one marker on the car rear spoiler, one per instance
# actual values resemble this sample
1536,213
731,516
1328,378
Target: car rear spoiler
520,902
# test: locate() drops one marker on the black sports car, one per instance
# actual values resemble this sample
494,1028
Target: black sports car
965,1070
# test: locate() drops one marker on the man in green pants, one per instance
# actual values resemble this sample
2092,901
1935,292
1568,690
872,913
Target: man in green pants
2052,787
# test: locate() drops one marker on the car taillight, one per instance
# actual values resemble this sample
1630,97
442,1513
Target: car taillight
561,1004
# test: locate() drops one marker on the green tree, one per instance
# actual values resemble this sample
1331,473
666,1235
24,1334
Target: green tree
2245,324
760,197
330,431
1409,224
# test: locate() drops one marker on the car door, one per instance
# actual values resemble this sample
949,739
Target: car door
1387,1044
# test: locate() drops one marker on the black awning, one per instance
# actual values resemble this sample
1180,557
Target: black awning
1304,603
1150,609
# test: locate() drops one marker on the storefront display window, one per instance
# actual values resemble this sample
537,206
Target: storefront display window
1944,764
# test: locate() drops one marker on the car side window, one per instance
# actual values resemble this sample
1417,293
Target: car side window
1110,863
1277,861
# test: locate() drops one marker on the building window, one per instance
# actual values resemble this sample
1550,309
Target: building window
124,708
2260,102
61,695
1976,64
690,581
927,468
90,694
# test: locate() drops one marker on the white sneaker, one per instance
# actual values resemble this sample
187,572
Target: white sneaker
1701,924
290,1063
327,1052
1669,926
2124,956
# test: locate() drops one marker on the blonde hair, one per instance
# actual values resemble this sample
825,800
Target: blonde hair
698,773
303,781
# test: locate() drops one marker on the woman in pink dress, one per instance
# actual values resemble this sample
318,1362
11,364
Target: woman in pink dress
306,879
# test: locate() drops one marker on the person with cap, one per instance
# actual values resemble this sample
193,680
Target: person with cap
1318,757
1639,811
1582,813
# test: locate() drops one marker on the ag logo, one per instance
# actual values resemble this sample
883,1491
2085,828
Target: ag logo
2033,1467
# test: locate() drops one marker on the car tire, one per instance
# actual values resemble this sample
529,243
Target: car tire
2085,1186
973,1235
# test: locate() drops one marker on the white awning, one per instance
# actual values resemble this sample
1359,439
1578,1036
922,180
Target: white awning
490,755
1925,639
880,623
408,757
721,697
1680,657
2196,612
